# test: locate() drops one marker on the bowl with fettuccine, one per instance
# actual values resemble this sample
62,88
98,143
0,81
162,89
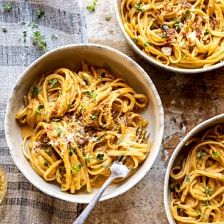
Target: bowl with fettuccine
193,188
77,109
179,36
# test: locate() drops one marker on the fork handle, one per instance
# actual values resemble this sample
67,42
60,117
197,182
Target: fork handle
86,212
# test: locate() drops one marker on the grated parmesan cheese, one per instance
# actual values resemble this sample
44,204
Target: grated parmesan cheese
92,139
191,37
53,143
70,138
167,51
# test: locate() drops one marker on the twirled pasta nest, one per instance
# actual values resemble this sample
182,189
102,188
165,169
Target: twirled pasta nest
82,121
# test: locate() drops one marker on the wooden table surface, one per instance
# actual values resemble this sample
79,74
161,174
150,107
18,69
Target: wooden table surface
187,101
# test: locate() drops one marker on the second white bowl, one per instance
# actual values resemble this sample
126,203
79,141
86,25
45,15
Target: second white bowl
196,130
154,61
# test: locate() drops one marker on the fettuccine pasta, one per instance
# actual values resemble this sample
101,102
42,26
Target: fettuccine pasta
197,184
82,122
181,33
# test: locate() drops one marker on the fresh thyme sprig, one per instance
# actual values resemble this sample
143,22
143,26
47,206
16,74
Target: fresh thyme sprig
39,40
7,7
91,7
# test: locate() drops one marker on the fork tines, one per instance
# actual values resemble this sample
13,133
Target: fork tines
142,136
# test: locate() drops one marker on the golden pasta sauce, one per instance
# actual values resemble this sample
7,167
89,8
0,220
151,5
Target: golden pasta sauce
26,131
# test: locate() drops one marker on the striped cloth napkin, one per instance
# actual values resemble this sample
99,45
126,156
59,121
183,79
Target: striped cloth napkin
61,24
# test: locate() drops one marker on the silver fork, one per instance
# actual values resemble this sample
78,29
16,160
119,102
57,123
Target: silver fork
117,170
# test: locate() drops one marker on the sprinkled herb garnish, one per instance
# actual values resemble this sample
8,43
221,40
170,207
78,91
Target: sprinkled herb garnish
135,39
38,110
4,30
187,178
39,40
208,191
36,90
92,94
205,203
178,25
83,108
76,168
100,156
146,44
108,18
201,154
92,116
164,35
139,7
89,93
7,7
53,82
186,14
71,151
39,13
88,157
58,131
206,32
198,212
215,154
92,6
99,138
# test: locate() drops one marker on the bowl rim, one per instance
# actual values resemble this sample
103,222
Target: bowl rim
160,112
198,128
152,60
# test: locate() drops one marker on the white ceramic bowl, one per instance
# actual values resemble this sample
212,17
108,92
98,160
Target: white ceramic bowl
196,130
151,59
72,55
